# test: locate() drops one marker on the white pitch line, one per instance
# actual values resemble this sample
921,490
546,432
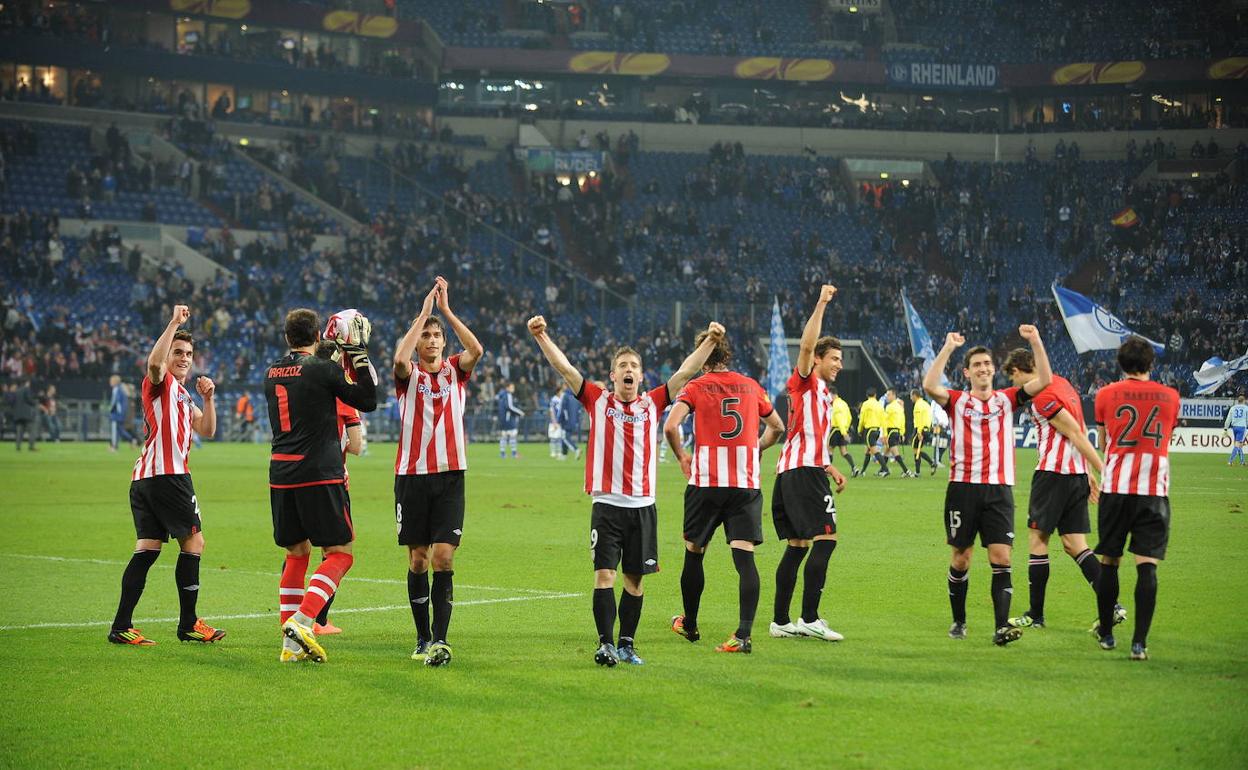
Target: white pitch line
353,578
253,615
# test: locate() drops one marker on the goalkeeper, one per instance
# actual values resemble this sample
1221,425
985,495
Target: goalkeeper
307,492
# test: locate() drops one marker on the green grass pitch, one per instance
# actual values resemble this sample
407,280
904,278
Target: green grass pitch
523,690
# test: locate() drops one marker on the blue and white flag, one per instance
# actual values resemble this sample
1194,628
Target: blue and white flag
1215,372
778,367
1091,326
920,340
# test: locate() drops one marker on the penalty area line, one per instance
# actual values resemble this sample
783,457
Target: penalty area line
255,615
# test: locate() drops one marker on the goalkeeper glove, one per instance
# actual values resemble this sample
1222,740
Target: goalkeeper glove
359,330
357,355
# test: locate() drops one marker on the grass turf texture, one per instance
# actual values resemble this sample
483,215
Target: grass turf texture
523,689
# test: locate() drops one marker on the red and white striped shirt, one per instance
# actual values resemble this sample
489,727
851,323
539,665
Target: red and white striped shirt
981,436
431,414
726,409
623,445
348,417
1139,417
810,409
1057,454
167,414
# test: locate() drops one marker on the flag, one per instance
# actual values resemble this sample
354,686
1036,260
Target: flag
1214,373
1126,218
778,368
1091,326
920,340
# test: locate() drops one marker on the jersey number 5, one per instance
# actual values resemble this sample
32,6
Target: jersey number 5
726,411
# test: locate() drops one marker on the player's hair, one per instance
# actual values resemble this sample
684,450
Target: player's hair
185,336
1135,355
914,393
832,391
1240,398
302,325
871,392
721,354
624,350
1020,359
975,351
432,321
325,349
824,344
891,390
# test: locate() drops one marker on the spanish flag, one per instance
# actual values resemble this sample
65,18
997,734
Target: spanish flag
1126,218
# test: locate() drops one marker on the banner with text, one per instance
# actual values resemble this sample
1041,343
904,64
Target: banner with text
1204,408
856,6
545,160
1207,440
944,75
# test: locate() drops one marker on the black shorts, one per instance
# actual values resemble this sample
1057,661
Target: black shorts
429,508
320,514
164,507
921,438
624,537
983,509
1145,518
802,504
871,436
838,438
894,438
1059,501
739,510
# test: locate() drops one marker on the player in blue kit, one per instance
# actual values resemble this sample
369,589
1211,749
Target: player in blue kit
1237,423
508,420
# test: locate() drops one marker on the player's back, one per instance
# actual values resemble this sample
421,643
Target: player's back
1139,417
303,415
1055,453
727,408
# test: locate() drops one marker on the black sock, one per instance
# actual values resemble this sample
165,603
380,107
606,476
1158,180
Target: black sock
747,593
1037,582
786,581
866,461
882,459
692,581
927,457
133,579
1090,567
902,463
918,463
814,576
850,459
630,616
958,583
1145,601
604,614
443,596
1107,597
418,597
1002,591
186,575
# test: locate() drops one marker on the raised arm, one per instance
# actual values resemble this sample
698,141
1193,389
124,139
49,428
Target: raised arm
157,359
696,360
406,348
472,346
569,373
931,378
1044,372
205,422
810,333
671,431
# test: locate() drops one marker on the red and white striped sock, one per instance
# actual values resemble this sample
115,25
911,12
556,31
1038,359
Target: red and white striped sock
290,590
324,583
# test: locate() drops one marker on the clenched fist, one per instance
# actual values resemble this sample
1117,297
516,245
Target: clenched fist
826,293
954,340
206,387
537,325
181,313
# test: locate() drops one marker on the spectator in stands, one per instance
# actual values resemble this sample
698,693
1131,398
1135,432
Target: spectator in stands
25,405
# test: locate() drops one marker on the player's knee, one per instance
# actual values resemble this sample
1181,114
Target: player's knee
799,543
604,578
692,548
443,559
632,583
1074,544
999,553
193,544
300,549
144,544
961,559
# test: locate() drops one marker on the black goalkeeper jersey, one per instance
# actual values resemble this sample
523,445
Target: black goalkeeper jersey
302,392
